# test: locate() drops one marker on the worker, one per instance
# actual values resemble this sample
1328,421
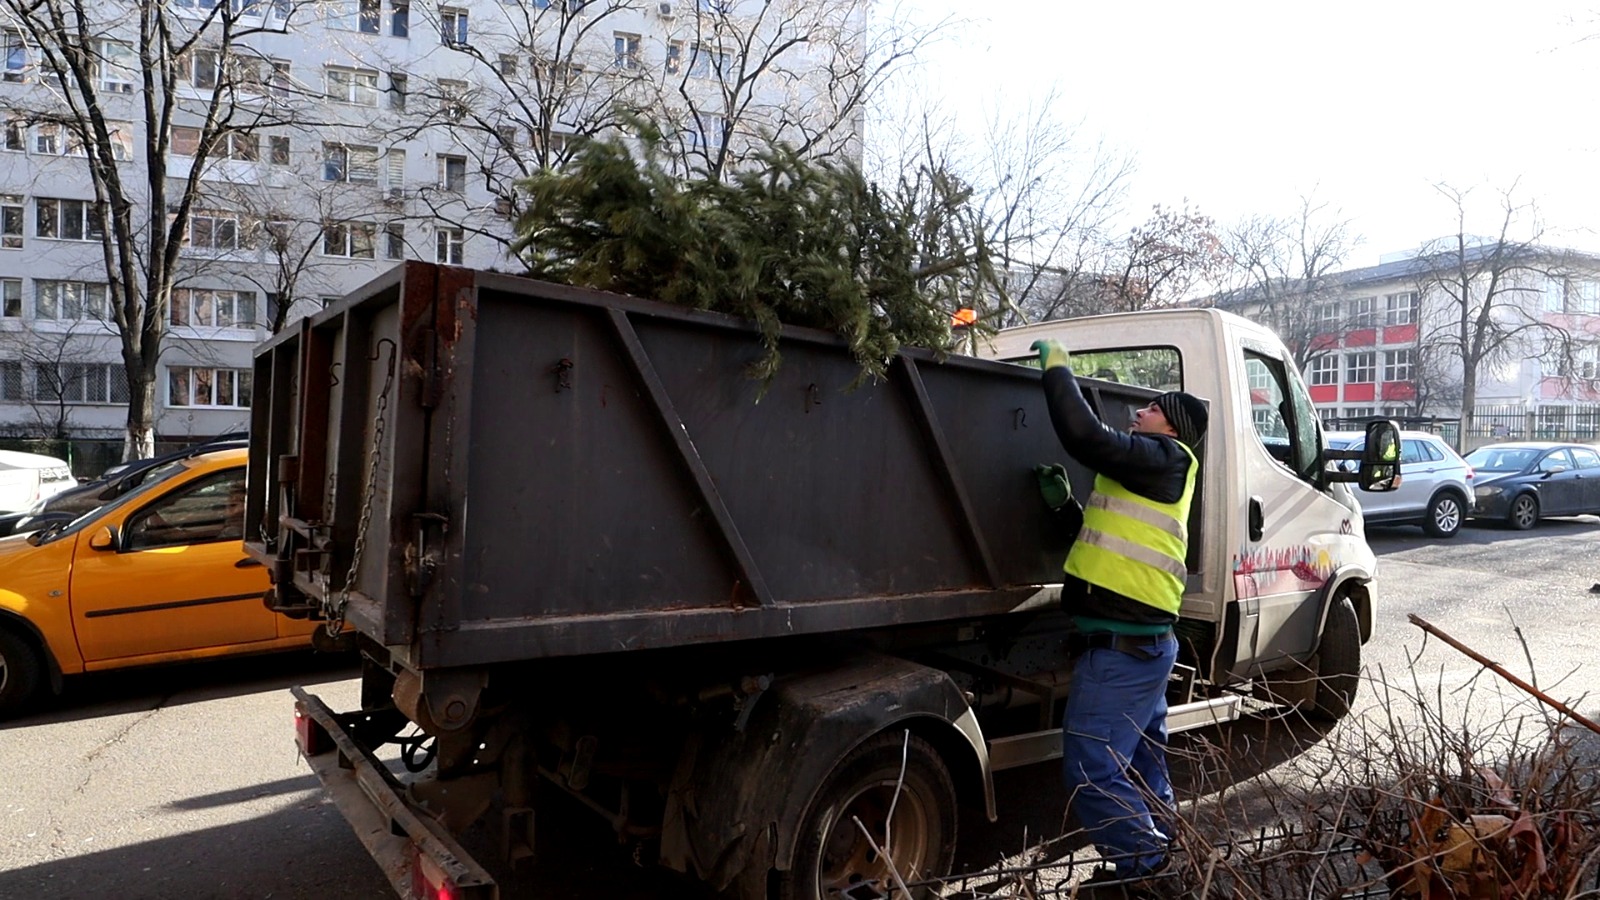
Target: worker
1124,585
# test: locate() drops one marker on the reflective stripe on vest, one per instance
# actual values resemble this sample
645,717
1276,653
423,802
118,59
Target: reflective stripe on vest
1134,545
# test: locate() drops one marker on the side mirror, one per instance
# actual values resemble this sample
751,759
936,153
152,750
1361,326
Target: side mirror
1380,458
104,539
1554,470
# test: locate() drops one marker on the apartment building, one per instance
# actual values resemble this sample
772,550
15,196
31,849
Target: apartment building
360,133
1380,341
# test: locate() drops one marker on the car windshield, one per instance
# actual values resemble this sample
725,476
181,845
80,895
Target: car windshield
155,477
1501,459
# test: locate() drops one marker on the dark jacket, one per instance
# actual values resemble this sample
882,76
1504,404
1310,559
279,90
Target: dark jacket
1149,465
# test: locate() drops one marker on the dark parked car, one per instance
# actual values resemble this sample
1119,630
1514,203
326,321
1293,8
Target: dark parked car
1521,483
116,481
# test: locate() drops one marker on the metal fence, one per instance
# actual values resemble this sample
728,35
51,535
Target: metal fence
88,457
1547,422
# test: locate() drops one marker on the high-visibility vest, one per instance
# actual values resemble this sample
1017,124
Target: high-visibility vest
1134,545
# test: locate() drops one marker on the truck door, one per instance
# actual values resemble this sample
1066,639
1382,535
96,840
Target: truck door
1292,530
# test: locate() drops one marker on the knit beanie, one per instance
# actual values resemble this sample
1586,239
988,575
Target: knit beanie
1187,415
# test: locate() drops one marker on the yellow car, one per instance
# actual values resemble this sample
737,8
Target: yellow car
158,575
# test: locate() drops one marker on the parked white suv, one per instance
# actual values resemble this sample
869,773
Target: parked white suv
1435,489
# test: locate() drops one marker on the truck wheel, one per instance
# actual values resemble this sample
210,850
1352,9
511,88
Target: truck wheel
20,670
1524,512
1338,662
833,855
1444,515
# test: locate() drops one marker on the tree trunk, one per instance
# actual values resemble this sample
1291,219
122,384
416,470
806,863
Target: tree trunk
139,442
1469,397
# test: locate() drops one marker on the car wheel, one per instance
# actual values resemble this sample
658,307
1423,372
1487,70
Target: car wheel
1524,512
21,669
1444,515
833,856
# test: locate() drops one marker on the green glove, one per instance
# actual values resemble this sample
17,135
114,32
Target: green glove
1053,485
1051,354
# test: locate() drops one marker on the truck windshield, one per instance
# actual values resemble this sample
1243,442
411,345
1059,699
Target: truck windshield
1157,368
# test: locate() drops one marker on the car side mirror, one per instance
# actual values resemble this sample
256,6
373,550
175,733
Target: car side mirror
1380,458
104,539
1554,470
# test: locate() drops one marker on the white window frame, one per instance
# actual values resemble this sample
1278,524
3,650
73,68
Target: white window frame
1363,312
13,221
57,300
625,50
117,69
1325,370
11,298
216,231
349,163
454,26
15,57
1400,308
355,87
350,240
455,184
88,226
1361,368
207,308
449,246
1399,365
213,382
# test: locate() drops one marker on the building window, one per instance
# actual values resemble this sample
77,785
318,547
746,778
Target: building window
56,139
1397,365
1358,412
1359,368
215,231
1363,312
353,240
118,68
1325,370
233,145
354,15
720,7
710,137
278,150
16,56
705,62
1400,309
397,90
121,137
16,135
349,163
394,240
396,162
11,381
213,309
453,99
453,173
449,246
1583,297
357,87
625,50
81,382
674,57
67,220
1555,295
201,68
11,216
453,26
507,65
197,386
69,301
11,298
400,18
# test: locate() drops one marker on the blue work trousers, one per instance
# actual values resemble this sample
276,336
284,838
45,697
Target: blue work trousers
1114,744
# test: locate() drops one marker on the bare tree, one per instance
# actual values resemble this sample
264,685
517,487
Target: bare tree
1476,294
54,373
1287,269
116,73
1160,262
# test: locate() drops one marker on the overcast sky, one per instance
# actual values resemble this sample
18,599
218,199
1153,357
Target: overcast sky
1243,106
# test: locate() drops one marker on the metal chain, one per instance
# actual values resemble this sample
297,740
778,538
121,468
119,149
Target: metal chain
335,623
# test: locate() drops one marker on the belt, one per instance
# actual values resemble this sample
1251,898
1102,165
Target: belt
1143,646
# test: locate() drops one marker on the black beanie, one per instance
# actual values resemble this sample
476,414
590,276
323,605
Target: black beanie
1187,415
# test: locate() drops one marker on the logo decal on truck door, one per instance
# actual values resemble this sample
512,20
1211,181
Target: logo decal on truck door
1264,571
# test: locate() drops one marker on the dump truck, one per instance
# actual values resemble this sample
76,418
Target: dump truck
580,548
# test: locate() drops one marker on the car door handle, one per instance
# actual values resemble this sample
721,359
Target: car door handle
247,562
1258,519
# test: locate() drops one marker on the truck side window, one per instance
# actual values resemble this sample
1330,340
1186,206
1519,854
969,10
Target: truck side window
1282,414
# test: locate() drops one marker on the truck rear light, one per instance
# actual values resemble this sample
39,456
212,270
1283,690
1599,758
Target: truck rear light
430,882
312,739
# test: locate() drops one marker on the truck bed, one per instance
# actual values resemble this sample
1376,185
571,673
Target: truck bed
481,468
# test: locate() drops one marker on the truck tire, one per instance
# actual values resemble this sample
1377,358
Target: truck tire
1524,512
832,854
1445,512
20,671
1338,662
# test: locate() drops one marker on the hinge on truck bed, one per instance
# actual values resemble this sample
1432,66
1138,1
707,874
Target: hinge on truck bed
420,558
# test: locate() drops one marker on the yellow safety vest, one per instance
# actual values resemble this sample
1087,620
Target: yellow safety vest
1134,545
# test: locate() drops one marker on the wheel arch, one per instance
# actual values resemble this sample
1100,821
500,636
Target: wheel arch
1356,583
29,632
804,728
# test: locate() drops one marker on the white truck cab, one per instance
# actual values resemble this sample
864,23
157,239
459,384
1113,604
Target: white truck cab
27,478
1278,559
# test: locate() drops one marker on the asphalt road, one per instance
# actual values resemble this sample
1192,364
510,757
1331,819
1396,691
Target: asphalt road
184,782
